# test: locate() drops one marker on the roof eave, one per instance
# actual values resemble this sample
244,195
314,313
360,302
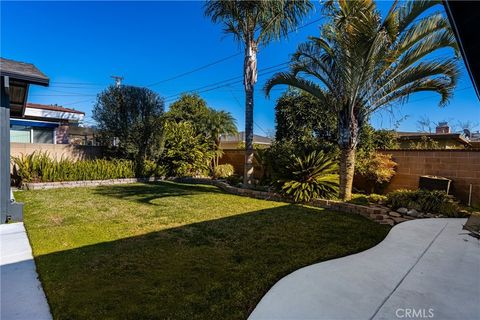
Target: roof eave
29,79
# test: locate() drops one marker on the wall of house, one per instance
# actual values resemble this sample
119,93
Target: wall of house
461,166
57,150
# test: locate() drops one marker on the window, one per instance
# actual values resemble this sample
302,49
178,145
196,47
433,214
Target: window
42,135
28,134
20,134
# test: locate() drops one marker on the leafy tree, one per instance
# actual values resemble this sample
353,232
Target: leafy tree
131,115
362,63
255,23
208,122
301,118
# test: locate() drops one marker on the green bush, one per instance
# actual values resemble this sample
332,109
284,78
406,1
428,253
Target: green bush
235,180
377,198
312,176
364,200
424,200
153,169
40,167
187,154
223,171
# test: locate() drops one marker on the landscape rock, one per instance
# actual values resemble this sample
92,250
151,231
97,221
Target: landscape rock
412,212
402,210
394,214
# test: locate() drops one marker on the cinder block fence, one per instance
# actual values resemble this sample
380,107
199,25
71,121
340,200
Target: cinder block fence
461,166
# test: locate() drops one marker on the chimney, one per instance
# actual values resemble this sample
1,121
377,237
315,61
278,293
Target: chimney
442,128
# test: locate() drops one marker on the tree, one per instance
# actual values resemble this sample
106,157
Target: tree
362,63
208,122
133,116
255,23
220,122
301,118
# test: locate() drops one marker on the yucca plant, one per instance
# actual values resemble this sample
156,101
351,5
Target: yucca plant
312,176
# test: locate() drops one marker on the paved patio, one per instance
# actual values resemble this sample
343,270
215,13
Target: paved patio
22,296
426,268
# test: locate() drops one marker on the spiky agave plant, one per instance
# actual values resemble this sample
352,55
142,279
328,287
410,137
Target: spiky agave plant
312,176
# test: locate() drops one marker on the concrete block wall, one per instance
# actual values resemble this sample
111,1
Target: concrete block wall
461,166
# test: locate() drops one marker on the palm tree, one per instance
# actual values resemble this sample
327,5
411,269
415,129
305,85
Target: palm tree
362,63
219,123
255,23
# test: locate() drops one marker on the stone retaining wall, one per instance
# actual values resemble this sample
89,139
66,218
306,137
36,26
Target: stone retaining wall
85,183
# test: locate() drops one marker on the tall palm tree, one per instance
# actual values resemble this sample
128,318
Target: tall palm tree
362,63
255,23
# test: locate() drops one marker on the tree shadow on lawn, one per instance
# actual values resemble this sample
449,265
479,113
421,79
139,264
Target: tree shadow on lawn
150,191
216,269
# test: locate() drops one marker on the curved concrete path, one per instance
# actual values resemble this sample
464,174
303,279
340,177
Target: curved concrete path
427,268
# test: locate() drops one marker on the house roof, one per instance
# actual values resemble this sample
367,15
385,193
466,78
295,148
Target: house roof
22,71
53,108
434,136
240,137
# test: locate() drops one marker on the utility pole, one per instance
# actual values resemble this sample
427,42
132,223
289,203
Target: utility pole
118,80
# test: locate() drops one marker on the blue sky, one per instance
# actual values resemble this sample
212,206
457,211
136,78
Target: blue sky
79,45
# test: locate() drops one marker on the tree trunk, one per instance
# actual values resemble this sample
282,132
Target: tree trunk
250,78
347,170
348,130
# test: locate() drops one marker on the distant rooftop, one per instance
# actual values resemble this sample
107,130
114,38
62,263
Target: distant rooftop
22,71
240,137
53,108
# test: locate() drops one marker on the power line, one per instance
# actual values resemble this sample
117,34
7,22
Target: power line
194,70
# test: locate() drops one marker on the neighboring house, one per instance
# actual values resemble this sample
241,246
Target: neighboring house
443,138
237,141
38,123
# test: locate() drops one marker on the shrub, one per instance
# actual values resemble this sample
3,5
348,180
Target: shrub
375,168
223,171
235,180
186,153
364,200
312,176
377,198
424,200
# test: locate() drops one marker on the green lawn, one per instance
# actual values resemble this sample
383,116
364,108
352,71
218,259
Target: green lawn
175,251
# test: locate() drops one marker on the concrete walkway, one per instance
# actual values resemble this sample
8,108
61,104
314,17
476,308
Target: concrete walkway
22,296
427,268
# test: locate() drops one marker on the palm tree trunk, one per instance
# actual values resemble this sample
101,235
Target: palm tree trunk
348,129
250,78
347,170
